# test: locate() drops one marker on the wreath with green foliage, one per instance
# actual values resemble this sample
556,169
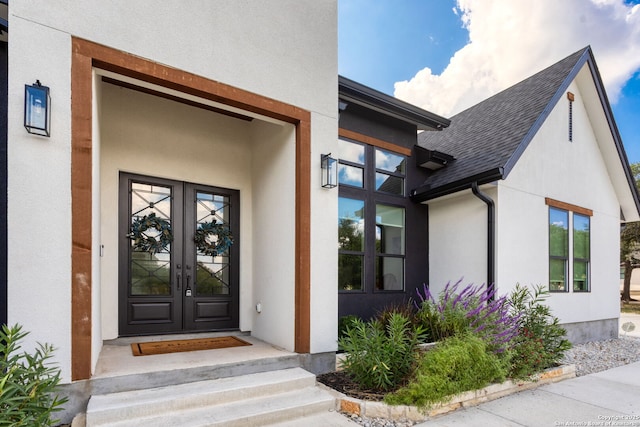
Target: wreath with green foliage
145,243
222,241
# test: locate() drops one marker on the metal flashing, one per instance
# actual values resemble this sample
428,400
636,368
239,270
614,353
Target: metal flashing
351,91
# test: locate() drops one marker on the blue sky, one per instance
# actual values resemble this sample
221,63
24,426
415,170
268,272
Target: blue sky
446,55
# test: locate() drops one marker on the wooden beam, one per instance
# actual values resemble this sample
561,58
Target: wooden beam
344,133
568,207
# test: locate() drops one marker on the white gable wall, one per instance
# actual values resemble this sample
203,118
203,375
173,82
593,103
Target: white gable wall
551,166
571,172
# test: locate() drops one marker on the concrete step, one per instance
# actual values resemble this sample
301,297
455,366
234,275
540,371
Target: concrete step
255,399
321,419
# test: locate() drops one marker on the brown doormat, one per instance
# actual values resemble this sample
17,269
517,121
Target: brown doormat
176,346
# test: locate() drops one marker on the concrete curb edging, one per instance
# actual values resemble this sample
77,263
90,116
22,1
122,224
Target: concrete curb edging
373,409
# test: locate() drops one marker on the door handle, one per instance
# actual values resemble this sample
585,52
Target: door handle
187,291
178,280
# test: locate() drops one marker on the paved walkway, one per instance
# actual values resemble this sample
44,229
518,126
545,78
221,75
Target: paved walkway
608,398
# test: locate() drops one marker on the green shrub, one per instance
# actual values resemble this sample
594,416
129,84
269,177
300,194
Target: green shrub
343,323
384,315
27,382
457,364
378,356
541,341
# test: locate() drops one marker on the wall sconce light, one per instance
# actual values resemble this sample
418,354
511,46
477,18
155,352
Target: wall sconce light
329,167
37,109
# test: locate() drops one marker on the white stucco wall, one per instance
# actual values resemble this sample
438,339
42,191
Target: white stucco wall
571,172
458,239
324,238
96,224
274,234
283,49
39,193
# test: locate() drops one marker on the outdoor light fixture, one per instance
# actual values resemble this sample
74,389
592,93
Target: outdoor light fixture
37,109
329,167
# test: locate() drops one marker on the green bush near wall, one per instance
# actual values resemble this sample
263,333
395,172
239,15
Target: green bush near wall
28,382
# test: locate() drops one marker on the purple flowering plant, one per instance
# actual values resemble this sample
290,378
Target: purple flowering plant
474,309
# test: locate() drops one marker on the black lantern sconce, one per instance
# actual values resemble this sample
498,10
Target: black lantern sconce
329,167
37,109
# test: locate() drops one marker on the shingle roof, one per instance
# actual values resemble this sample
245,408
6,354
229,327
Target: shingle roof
488,138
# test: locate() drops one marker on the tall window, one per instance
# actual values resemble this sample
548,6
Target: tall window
558,249
581,252
389,248
569,239
371,218
351,229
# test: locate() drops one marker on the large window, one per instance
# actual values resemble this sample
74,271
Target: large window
569,239
371,218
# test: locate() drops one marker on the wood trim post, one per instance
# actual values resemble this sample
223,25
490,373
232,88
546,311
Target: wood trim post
81,204
303,237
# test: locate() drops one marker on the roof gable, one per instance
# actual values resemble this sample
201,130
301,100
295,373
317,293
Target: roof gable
488,139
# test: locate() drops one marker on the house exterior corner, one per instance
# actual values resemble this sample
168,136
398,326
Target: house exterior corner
230,108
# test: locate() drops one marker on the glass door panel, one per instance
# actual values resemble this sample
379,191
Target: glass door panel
212,248
150,239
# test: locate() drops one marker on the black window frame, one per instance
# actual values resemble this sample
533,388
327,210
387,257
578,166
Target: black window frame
372,198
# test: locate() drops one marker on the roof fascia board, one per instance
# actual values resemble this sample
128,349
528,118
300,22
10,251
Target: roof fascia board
509,165
362,95
613,127
425,193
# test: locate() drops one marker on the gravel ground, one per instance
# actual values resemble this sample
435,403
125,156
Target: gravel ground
599,356
589,358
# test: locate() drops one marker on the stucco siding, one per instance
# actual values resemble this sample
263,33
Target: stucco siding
39,193
458,239
571,172
273,49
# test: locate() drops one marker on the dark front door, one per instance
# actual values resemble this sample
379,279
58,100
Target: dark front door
178,256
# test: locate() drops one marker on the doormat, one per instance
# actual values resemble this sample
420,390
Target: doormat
176,346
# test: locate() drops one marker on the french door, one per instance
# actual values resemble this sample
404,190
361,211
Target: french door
178,256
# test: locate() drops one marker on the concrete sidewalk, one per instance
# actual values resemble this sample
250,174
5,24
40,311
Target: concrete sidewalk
608,398
626,318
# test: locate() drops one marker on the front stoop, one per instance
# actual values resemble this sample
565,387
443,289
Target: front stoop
249,400
372,409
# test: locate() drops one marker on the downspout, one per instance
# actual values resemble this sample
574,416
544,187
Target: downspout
491,235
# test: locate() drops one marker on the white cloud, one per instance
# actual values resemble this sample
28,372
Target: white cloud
511,40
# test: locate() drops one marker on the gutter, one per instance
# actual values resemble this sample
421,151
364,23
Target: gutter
425,192
491,236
